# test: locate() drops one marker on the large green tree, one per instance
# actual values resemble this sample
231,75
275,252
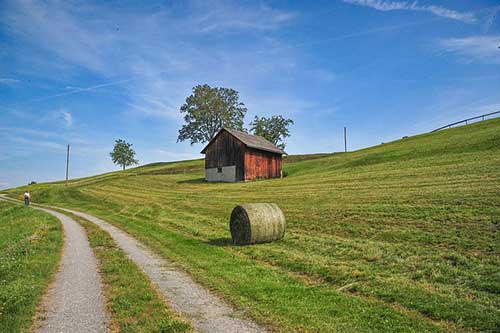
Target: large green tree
123,154
207,110
275,129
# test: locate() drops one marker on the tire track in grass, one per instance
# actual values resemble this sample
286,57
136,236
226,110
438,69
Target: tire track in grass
135,305
207,312
75,301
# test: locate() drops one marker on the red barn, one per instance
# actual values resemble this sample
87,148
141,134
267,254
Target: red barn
233,156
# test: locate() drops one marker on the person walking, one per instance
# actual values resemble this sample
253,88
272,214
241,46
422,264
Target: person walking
27,198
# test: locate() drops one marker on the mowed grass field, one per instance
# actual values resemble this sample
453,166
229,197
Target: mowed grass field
398,237
30,248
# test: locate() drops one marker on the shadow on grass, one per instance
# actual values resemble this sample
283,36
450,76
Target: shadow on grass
192,181
223,241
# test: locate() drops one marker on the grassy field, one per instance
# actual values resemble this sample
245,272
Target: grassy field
398,237
30,248
134,304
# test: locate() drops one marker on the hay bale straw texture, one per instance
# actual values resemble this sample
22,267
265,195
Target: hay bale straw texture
257,223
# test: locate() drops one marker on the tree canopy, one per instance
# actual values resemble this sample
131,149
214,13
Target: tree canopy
207,110
274,129
123,154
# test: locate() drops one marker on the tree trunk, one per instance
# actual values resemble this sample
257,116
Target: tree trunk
124,167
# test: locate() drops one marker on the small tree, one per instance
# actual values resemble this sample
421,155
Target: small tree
208,110
274,129
123,154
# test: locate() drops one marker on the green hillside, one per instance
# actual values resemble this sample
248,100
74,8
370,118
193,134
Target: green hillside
30,249
398,237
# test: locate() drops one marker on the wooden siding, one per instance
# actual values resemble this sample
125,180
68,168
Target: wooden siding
262,164
226,150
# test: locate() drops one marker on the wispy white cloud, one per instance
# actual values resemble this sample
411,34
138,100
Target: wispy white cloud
60,119
162,66
474,48
20,142
151,107
15,112
67,117
28,131
440,11
8,81
37,134
51,24
44,144
222,16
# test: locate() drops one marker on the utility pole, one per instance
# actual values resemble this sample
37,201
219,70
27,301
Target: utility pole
67,166
345,139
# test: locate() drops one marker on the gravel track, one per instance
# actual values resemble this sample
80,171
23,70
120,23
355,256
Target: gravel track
207,312
75,301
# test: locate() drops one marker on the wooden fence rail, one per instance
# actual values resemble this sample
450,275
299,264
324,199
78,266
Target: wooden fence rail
466,120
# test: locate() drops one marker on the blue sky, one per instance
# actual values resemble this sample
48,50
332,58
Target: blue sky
88,73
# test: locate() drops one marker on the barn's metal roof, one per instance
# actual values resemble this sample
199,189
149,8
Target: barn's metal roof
249,140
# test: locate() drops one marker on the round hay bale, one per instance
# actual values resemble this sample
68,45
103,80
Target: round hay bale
257,223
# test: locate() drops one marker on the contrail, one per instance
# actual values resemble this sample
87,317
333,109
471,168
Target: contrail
79,90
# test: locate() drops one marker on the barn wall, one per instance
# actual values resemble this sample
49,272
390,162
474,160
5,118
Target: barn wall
225,151
222,174
262,164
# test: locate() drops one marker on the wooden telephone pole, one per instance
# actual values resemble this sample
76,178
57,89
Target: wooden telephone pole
67,166
345,139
